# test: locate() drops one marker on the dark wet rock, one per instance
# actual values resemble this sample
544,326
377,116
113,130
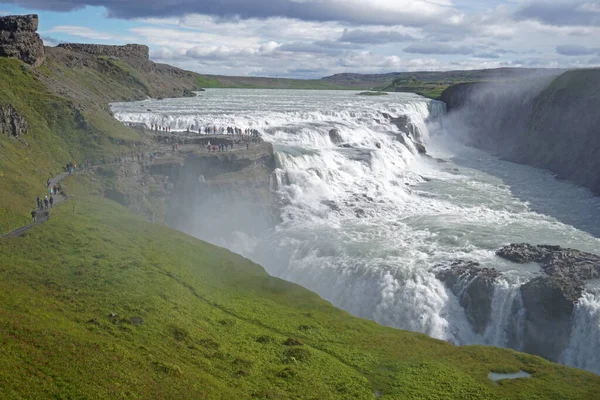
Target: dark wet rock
360,213
474,288
421,148
573,267
548,303
332,205
188,93
335,137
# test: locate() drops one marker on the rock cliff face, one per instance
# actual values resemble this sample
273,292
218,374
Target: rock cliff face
544,122
474,287
11,123
126,51
217,194
18,39
208,195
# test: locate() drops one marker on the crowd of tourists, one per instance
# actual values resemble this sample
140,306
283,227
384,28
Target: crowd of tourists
211,130
47,202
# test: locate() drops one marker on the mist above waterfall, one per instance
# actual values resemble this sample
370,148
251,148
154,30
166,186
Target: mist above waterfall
365,220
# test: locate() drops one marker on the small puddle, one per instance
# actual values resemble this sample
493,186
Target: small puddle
495,376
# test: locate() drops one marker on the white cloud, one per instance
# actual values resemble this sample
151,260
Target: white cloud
87,33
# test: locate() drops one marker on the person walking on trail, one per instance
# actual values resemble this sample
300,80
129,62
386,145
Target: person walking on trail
46,202
33,216
51,201
39,203
48,182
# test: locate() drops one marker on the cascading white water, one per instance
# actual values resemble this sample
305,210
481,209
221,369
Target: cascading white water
366,223
584,345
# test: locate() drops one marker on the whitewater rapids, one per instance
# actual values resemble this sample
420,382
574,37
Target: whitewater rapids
366,224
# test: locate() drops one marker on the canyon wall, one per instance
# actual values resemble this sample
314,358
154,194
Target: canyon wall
550,123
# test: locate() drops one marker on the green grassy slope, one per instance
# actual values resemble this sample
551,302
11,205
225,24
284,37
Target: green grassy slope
215,326
65,103
59,132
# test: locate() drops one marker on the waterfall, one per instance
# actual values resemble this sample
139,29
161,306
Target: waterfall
366,220
583,350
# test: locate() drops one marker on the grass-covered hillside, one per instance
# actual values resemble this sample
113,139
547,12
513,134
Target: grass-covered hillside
57,130
65,105
98,303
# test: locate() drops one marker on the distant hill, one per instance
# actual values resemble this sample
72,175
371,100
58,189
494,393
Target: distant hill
427,83
432,83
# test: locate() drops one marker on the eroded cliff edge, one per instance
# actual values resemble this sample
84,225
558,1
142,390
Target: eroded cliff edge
550,123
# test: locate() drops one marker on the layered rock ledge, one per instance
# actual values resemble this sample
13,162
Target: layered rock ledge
127,51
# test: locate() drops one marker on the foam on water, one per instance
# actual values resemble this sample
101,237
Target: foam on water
365,227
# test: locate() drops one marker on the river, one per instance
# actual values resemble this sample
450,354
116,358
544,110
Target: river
365,225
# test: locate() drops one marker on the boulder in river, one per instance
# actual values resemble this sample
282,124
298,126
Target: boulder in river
335,137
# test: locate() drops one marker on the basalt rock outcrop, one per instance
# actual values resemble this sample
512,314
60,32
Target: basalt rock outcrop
11,123
474,288
541,317
566,269
18,39
126,51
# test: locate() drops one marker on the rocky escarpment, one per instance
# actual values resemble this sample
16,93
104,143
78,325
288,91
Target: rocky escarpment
541,317
18,39
137,77
126,51
545,122
206,194
11,123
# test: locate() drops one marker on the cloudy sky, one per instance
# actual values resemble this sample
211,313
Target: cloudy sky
315,38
